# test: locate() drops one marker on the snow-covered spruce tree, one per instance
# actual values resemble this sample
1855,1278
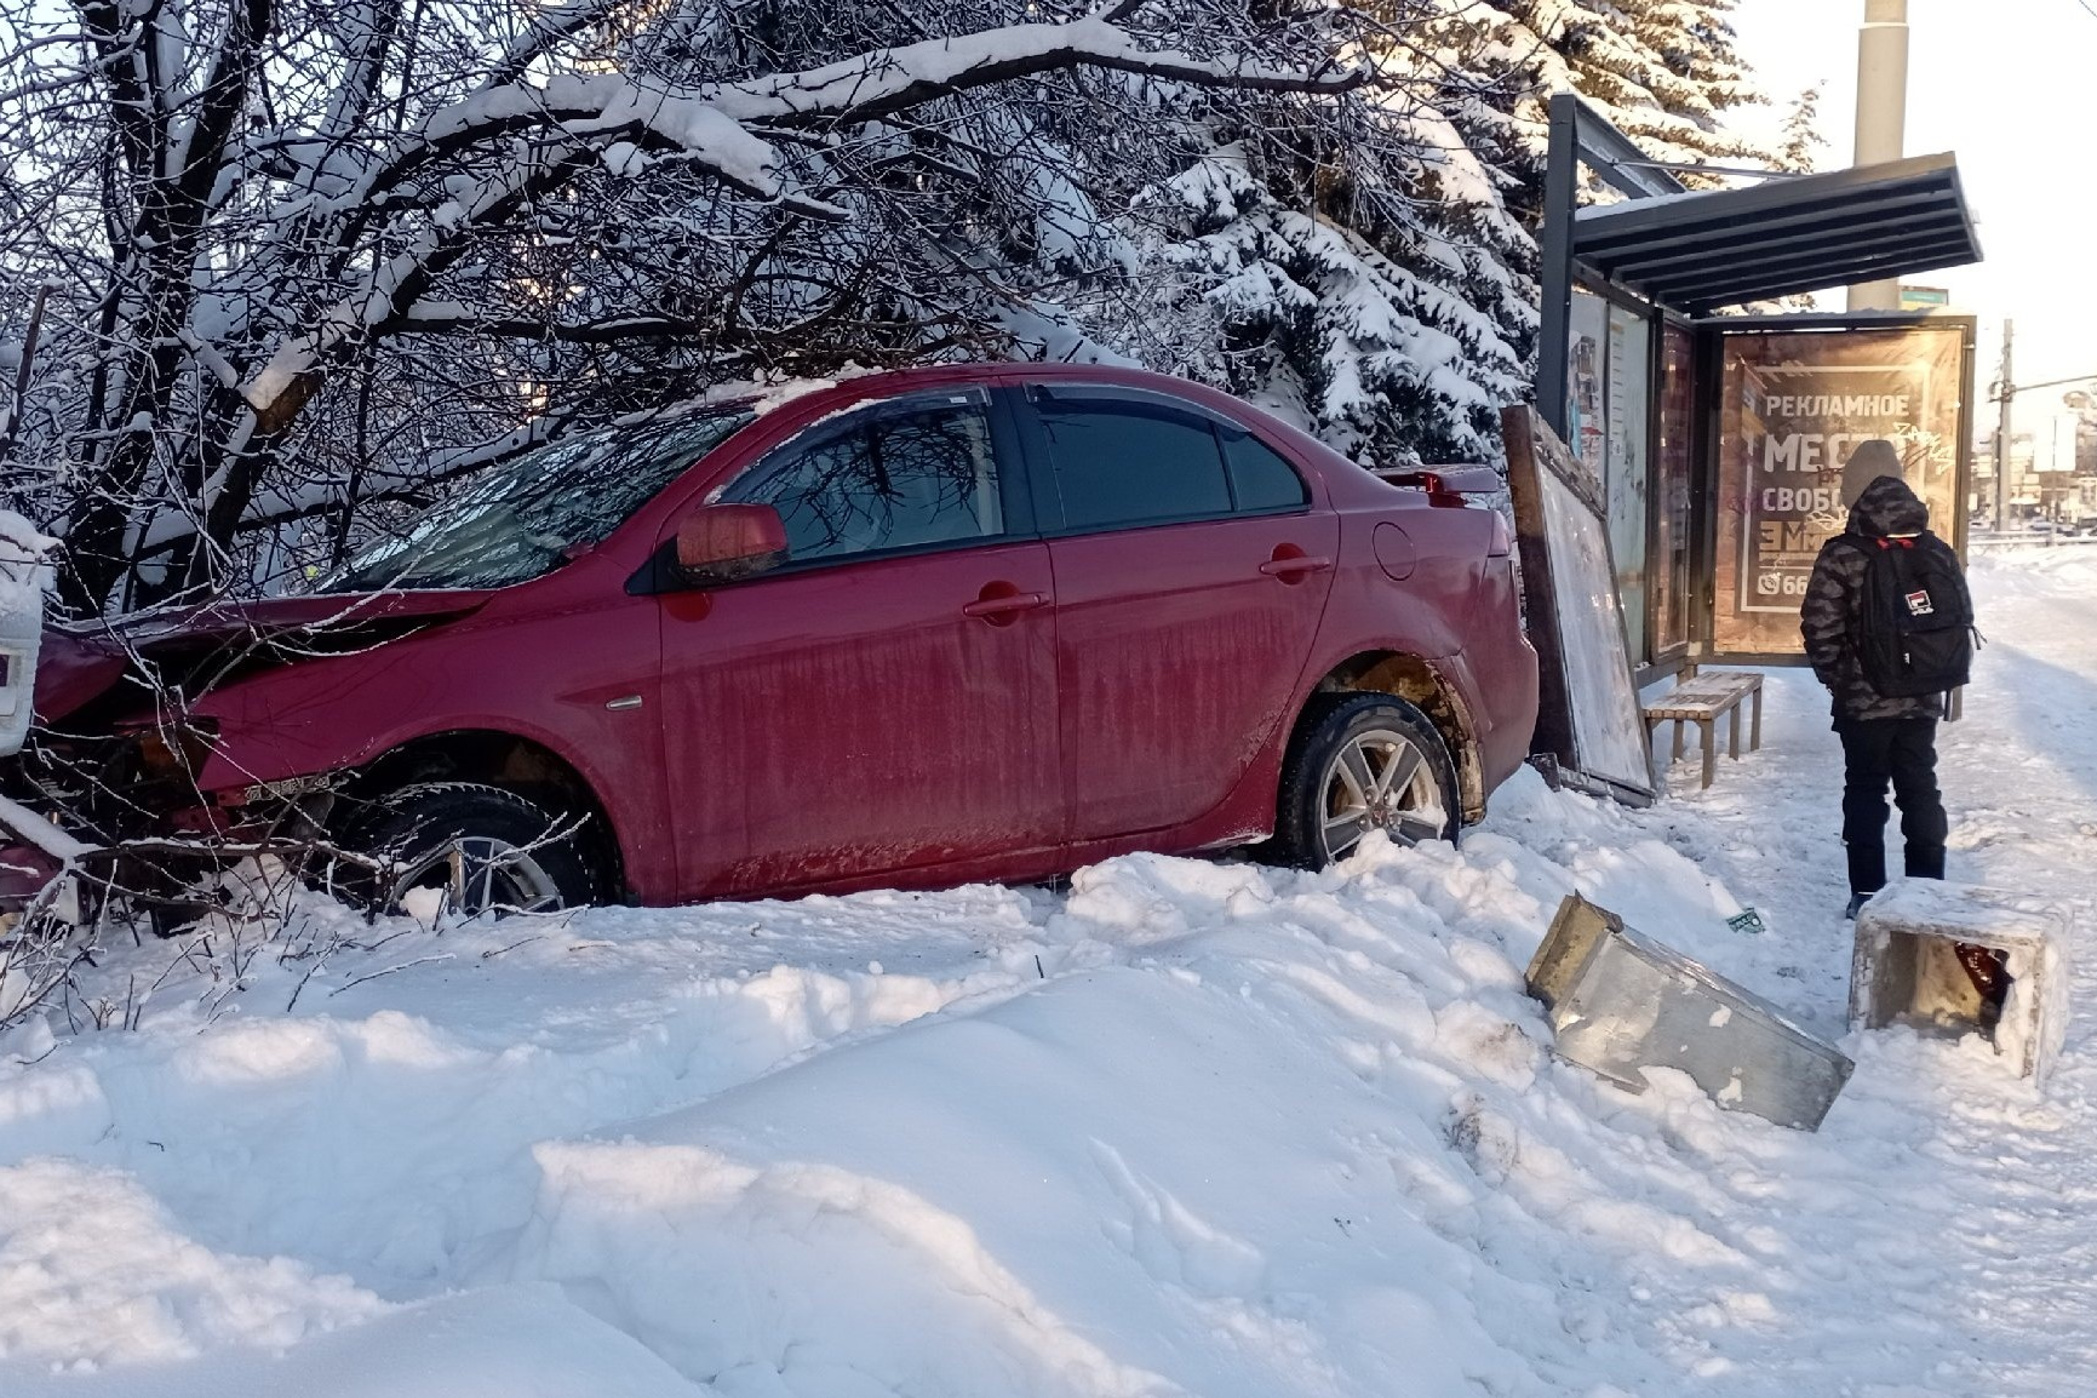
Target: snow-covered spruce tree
1665,72
1382,302
311,259
1801,143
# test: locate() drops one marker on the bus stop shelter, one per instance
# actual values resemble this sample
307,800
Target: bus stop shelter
1715,427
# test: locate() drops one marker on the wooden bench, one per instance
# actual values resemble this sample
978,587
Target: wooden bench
1703,701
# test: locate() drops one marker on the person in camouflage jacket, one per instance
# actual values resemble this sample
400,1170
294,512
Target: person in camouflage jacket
1885,739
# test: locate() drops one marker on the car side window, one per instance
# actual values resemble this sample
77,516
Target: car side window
1122,463
1260,479
887,479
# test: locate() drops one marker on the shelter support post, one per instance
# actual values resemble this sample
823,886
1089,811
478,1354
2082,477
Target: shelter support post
1561,185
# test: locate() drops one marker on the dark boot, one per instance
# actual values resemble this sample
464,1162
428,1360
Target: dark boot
1856,905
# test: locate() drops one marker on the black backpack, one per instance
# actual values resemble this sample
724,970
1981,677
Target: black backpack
1915,620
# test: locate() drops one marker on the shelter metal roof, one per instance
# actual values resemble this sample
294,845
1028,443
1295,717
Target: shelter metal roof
1700,251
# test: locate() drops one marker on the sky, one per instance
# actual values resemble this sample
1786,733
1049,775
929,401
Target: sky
2007,86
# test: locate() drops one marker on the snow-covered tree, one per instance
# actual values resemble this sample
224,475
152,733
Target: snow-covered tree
1397,330
309,259
1801,143
306,261
1664,72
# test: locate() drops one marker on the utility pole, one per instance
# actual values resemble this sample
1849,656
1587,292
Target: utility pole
1882,113
2005,390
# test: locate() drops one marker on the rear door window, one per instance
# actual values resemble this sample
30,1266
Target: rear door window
1260,479
1126,459
896,477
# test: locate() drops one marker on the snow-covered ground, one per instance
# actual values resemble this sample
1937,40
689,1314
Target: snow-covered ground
1187,1128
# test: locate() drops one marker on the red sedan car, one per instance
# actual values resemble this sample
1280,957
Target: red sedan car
975,622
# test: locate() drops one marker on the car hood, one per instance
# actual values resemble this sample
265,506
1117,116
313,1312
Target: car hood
81,661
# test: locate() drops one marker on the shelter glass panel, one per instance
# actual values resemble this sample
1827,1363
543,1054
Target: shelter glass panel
1670,563
1586,415
1626,481
1795,408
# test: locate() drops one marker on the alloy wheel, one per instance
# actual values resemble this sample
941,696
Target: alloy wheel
481,874
1379,780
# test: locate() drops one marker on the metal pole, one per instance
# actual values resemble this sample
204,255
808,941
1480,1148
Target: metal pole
1882,105
1561,188
2005,393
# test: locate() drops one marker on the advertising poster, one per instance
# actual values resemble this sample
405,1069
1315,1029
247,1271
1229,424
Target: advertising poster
1587,425
1626,487
1796,407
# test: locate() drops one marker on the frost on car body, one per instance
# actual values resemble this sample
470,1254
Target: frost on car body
981,621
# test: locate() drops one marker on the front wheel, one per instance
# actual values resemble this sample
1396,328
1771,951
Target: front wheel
1363,762
480,849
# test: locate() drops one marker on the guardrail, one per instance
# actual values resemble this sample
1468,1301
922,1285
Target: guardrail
2016,543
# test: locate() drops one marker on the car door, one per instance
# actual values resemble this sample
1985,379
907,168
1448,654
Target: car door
885,701
1191,571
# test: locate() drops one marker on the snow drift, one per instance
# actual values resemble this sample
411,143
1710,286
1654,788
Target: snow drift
1189,1128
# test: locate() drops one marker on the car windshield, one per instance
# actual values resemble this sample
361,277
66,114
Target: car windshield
526,518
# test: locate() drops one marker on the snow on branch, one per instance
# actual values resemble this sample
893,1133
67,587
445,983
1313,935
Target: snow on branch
709,126
883,83
711,122
302,253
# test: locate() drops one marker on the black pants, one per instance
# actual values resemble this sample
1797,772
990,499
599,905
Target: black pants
1904,752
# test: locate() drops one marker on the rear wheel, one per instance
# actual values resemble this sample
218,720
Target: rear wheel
1363,762
480,848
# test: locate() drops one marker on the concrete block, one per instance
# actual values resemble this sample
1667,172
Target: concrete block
1905,969
1620,1001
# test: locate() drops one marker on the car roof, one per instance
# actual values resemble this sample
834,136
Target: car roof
810,400
831,395
884,382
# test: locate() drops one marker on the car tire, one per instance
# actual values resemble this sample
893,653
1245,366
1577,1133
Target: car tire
489,850
1362,762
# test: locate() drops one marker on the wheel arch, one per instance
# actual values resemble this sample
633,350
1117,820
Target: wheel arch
1419,683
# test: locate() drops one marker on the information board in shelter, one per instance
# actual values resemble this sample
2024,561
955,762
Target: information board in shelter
1796,408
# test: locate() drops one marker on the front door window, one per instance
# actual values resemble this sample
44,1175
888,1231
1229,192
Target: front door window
889,480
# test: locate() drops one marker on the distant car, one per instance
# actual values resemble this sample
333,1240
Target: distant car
979,622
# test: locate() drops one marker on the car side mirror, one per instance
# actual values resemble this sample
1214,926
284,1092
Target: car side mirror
722,543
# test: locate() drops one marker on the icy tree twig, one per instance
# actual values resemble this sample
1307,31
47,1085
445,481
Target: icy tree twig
402,966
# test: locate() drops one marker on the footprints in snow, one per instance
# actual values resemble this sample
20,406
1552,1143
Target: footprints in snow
1172,1242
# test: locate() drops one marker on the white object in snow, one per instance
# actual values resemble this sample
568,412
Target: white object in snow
1621,1002
24,574
1905,969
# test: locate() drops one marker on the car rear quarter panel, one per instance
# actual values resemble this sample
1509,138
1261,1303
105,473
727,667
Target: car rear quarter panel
1502,671
1455,610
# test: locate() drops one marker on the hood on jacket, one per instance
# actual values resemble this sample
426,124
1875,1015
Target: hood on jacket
1870,460
1888,507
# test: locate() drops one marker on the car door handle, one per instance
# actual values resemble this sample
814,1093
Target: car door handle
1008,605
1293,567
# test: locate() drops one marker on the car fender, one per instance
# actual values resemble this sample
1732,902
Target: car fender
337,714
